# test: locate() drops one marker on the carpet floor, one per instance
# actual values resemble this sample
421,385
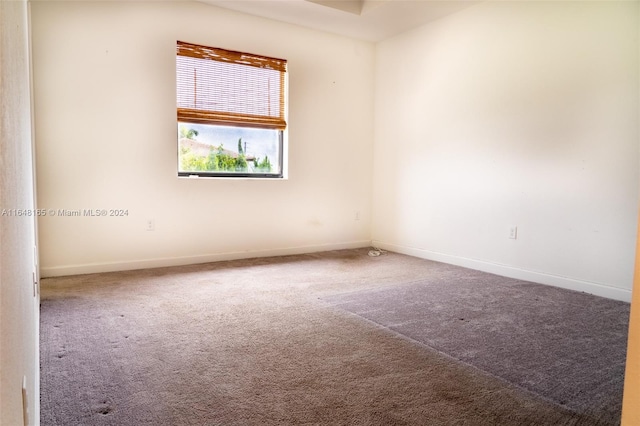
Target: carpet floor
276,341
567,346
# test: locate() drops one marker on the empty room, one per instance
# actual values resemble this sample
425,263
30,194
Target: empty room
319,212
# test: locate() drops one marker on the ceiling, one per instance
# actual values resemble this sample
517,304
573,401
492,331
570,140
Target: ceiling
369,20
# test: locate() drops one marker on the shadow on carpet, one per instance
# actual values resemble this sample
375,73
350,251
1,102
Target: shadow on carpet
564,346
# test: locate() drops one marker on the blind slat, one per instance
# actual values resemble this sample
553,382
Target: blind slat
206,117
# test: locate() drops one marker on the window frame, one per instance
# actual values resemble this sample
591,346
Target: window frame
203,117
210,174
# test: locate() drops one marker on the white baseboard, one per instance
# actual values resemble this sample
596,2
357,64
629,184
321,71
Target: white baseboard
92,268
511,272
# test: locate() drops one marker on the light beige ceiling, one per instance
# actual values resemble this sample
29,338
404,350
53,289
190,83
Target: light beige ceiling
370,20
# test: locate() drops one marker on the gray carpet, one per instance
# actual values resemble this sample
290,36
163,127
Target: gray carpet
255,342
563,345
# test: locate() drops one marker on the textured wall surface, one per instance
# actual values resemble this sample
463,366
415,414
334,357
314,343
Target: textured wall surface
107,139
513,114
18,305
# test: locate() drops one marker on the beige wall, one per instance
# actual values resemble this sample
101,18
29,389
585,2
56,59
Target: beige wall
104,81
513,114
18,306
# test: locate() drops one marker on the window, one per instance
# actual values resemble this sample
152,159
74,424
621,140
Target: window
231,113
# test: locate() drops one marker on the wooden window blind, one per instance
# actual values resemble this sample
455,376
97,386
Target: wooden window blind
223,87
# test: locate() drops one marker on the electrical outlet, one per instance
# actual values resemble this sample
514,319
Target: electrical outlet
151,225
513,232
